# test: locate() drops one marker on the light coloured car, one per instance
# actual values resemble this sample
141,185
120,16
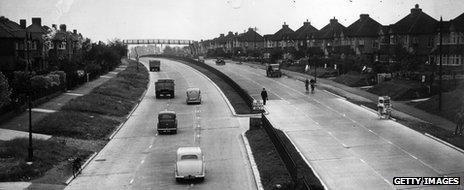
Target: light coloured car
193,95
190,164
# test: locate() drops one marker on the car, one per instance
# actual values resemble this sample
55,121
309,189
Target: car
190,164
193,95
167,122
220,61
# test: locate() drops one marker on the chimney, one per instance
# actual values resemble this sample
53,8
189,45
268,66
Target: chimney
230,33
54,26
63,27
333,20
22,23
307,22
250,29
75,31
363,16
236,33
37,21
222,35
416,9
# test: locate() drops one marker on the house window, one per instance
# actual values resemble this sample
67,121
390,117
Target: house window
62,45
16,45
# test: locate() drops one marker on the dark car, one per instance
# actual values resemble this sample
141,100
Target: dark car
220,61
167,122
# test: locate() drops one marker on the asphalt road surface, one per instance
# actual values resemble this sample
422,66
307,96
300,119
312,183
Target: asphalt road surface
138,158
348,146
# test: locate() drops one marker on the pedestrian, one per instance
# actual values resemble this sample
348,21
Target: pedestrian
459,123
307,85
264,96
313,83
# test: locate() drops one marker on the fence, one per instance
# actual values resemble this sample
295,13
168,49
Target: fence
284,154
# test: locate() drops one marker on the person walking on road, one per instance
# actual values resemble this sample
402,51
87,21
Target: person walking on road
264,96
313,84
307,85
459,123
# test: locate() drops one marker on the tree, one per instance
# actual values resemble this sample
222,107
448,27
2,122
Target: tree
5,91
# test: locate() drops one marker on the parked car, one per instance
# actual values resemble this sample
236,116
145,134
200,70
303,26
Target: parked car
201,59
190,164
193,95
220,61
164,87
167,122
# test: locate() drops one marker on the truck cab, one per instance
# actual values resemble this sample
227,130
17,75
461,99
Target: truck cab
164,87
154,65
273,70
167,122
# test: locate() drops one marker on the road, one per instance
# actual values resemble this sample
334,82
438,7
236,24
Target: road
138,158
348,146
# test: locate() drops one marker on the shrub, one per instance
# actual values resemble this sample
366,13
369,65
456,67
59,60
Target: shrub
5,91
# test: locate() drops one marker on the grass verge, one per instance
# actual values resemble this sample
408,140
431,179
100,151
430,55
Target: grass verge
95,115
271,168
47,153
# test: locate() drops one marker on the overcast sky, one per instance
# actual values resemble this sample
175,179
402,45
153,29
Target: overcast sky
206,19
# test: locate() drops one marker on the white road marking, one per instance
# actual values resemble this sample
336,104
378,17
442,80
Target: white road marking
74,94
43,110
150,146
131,181
142,161
112,72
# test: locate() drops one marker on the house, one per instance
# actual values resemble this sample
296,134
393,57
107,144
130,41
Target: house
12,44
330,39
415,33
37,48
362,35
250,41
304,35
229,42
452,49
283,38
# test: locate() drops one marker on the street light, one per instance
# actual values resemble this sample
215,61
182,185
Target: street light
30,150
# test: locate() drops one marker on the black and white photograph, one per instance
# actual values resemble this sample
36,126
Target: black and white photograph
231,94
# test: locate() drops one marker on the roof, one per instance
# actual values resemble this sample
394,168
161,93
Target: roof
365,26
305,31
167,112
283,33
188,150
10,29
193,89
250,36
416,22
458,23
334,28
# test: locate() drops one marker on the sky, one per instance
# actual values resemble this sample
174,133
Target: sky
206,19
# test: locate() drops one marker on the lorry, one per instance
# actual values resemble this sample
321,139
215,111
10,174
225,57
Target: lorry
167,122
273,70
164,87
154,65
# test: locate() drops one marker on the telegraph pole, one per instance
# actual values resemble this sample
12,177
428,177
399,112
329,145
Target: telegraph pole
440,67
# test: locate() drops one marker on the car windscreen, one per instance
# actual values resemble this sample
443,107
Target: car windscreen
189,157
192,93
166,116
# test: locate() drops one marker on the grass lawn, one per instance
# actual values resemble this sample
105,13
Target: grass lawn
452,103
47,153
400,90
353,79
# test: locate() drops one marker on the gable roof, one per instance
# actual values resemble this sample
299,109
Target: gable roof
416,22
334,28
305,31
365,26
284,33
250,36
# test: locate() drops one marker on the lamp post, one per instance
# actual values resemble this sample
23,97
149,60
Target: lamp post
440,68
137,57
30,150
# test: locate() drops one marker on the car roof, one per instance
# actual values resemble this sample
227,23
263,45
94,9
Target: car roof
193,89
167,112
189,150
165,79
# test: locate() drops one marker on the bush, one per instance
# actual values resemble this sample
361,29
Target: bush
93,68
5,91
